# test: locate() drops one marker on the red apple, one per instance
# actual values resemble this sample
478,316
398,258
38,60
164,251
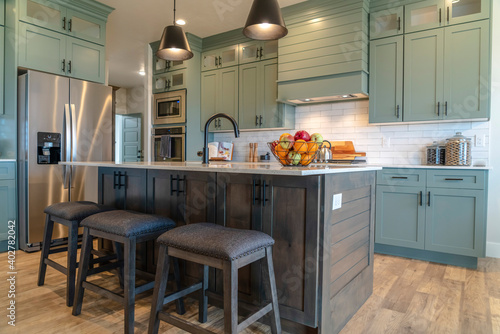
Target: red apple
274,144
302,135
317,138
286,141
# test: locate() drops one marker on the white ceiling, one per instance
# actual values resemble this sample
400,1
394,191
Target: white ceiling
135,23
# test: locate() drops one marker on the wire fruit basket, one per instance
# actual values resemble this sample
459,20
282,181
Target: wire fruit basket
295,153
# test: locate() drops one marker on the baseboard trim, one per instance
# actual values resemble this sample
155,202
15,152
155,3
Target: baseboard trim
493,249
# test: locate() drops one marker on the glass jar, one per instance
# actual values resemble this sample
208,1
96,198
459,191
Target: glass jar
435,154
458,151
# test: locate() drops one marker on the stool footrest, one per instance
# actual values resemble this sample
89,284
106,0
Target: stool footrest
56,266
106,267
254,317
103,292
182,324
144,287
103,259
184,292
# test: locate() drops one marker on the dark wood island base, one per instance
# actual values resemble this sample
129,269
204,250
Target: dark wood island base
323,258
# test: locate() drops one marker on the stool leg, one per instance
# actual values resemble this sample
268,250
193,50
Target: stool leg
203,304
177,276
129,284
82,271
270,289
161,280
230,298
119,257
71,263
47,237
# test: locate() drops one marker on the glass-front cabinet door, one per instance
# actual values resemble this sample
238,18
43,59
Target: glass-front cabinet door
228,56
424,15
386,23
86,27
209,60
44,14
460,11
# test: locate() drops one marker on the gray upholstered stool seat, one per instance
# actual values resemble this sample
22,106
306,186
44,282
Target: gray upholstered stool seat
128,228
215,240
128,223
75,210
227,249
69,214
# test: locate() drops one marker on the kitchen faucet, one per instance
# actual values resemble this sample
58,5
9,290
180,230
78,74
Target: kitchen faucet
207,124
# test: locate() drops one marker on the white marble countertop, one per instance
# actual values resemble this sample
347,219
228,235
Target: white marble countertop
435,167
232,167
7,160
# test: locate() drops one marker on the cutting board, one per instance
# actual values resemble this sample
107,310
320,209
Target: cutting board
344,150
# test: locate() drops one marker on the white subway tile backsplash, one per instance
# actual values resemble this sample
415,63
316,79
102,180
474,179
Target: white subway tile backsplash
349,121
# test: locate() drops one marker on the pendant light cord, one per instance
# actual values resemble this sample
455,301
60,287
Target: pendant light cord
174,11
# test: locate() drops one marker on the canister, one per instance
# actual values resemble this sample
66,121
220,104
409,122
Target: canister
458,151
436,154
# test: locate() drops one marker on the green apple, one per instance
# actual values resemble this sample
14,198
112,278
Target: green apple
317,138
294,158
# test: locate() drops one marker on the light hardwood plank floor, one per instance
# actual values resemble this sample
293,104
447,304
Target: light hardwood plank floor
409,296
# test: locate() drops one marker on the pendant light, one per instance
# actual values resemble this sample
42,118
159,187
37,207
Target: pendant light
265,21
174,44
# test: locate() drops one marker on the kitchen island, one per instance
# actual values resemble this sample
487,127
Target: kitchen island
320,217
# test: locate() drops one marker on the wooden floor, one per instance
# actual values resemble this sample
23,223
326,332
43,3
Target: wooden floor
409,297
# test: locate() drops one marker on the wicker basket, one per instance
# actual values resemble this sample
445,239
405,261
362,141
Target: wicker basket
295,154
458,151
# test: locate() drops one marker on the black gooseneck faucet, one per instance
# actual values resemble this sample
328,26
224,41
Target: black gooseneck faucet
207,125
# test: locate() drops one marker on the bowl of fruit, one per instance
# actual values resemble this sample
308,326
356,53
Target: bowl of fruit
298,150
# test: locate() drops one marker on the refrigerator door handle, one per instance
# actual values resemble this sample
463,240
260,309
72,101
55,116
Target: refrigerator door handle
73,143
67,145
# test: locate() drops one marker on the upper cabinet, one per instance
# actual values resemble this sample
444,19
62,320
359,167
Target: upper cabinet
162,65
169,81
257,51
53,16
2,12
2,31
219,58
386,23
437,13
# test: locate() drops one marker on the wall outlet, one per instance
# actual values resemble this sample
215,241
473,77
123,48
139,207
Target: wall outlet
337,201
480,139
386,142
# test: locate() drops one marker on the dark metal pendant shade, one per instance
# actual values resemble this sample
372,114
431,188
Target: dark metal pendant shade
174,44
265,21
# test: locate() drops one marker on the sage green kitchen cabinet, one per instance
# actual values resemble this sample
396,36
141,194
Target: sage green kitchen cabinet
2,79
455,221
423,75
439,212
258,93
400,216
386,80
387,22
466,11
258,50
85,60
54,16
49,51
219,58
169,81
161,65
8,205
219,94
2,12
467,71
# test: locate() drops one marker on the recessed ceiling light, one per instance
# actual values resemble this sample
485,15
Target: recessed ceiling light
315,20
346,96
180,22
307,100
143,73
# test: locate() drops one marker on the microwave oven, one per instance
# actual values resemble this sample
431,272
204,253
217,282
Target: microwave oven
169,108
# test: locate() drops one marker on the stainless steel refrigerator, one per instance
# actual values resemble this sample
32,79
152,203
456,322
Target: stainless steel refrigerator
59,119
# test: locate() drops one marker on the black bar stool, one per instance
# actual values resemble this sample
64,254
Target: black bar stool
222,248
69,214
128,228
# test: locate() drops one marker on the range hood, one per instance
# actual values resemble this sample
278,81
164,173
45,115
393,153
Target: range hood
324,58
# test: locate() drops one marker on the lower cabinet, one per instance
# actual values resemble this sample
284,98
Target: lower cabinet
444,211
8,207
123,188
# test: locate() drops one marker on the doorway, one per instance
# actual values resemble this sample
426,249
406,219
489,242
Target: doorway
128,138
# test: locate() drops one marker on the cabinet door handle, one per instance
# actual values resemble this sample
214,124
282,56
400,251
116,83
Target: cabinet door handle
64,65
399,23
429,198
400,177
115,184
261,52
440,16
439,108
64,23
397,111
257,54
220,123
254,192
179,180
260,120
171,185
264,199
420,198
124,184
446,108
256,120
220,61
216,61
448,14
69,66
450,179
167,65
70,25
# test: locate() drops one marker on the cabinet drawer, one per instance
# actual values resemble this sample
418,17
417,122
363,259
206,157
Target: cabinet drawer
401,177
456,179
7,170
